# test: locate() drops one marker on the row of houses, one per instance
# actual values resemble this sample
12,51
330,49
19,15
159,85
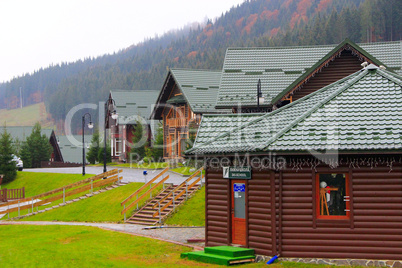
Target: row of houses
302,147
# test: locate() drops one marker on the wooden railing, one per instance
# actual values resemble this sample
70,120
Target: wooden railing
184,191
48,197
135,194
177,122
11,194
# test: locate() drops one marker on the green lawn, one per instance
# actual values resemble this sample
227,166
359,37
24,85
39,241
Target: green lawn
191,213
81,246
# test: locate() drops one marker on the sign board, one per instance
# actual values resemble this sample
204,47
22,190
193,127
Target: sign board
240,173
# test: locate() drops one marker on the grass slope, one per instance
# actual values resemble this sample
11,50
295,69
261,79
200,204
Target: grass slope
191,213
27,116
37,182
104,207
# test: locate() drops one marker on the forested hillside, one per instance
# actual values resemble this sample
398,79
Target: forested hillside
253,23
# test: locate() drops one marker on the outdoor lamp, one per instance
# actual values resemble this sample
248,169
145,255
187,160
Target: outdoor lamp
114,116
260,97
90,125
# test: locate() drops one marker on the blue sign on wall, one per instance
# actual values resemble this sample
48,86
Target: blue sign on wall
239,187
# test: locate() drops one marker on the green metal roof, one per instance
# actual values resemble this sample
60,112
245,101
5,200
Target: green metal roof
360,112
199,87
71,147
280,68
23,132
130,104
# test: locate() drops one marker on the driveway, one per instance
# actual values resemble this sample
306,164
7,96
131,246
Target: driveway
129,174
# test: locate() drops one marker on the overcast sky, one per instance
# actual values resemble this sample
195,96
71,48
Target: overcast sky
37,33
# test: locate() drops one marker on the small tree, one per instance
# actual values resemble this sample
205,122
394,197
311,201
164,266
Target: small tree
138,145
108,154
36,148
92,155
7,165
156,151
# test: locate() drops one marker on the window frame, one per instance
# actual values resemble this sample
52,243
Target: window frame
348,206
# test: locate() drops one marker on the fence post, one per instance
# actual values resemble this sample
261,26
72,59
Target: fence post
173,201
64,195
186,189
201,179
160,220
32,205
137,202
18,208
8,208
23,192
124,212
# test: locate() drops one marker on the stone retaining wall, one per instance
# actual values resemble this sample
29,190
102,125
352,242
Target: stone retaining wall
351,262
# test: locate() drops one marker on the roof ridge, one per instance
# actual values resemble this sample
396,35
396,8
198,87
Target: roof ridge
196,70
316,106
390,76
228,132
272,113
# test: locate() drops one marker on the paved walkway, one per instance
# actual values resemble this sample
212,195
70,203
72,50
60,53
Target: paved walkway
129,174
177,235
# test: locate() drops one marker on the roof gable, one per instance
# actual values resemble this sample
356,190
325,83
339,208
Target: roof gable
199,88
130,104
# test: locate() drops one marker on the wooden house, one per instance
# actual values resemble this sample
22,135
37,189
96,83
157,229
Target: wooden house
184,97
290,73
318,178
132,107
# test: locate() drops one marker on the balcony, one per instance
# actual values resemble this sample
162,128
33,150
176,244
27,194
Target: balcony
177,122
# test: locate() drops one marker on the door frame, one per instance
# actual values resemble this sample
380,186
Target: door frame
233,239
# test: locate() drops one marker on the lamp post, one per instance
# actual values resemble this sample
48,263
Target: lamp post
260,98
90,125
114,116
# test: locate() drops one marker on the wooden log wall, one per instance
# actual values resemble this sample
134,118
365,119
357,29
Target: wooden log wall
261,232
374,230
217,209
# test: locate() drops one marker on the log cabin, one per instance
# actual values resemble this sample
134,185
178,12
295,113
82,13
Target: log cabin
320,177
132,107
184,97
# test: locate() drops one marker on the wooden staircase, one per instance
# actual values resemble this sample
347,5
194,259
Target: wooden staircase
146,215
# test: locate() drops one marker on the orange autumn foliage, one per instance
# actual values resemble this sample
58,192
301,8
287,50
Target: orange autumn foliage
275,31
270,15
192,54
251,20
323,5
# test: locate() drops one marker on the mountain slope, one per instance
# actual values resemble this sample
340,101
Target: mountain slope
253,23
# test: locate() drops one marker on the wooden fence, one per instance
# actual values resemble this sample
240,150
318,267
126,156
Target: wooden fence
135,194
84,185
11,194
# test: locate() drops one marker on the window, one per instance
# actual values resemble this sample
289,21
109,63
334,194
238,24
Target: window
332,195
118,147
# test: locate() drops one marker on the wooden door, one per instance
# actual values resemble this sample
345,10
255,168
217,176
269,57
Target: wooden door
238,189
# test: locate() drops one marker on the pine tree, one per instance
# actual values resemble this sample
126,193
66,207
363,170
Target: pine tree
36,148
7,165
92,155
